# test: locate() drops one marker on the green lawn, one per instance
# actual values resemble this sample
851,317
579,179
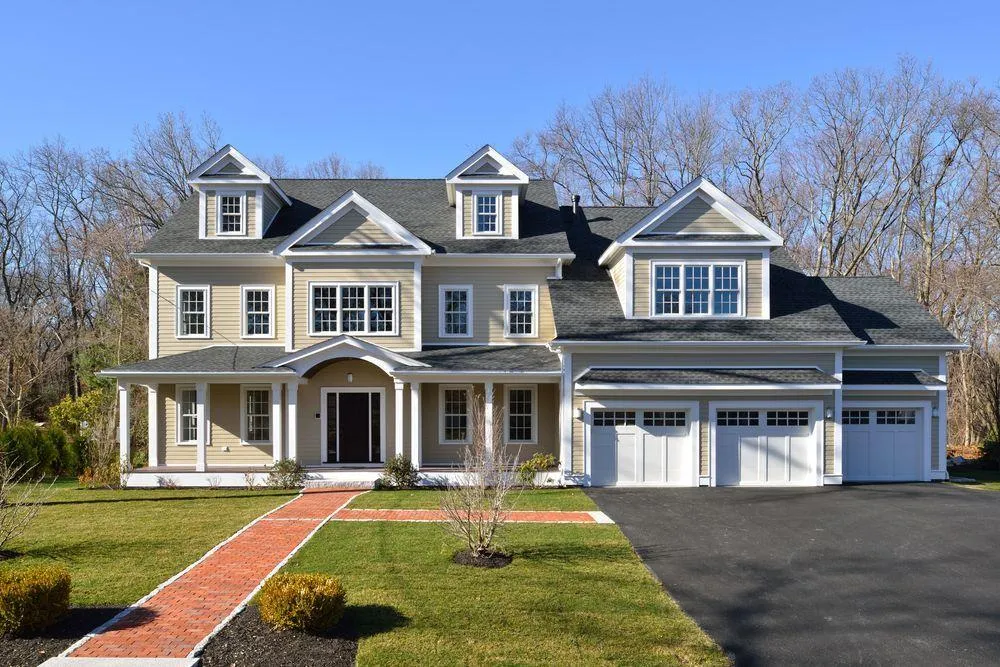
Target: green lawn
988,480
575,594
119,545
528,499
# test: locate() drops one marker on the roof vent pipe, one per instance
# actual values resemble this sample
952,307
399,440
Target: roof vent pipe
576,203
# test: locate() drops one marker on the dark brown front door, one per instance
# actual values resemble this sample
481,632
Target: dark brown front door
353,427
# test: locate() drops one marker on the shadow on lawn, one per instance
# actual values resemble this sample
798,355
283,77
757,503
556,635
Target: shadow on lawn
368,620
126,499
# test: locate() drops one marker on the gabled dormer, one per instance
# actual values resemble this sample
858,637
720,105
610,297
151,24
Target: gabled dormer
486,190
236,198
698,255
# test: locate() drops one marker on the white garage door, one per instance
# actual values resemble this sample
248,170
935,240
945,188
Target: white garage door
641,446
765,448
883,445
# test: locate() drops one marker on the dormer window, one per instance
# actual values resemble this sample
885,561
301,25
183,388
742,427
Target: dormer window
488,213
232,214
697,289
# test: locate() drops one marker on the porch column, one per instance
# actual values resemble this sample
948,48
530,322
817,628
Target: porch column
276,427
399,416
123,424
153,417
201,396
415,424
293,421
566,415
488,415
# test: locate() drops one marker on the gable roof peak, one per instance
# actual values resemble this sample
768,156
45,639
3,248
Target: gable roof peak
215,166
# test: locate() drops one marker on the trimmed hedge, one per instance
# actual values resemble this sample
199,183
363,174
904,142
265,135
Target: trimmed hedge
307,602
33,598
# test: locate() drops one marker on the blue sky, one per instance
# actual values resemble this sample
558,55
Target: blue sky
417,86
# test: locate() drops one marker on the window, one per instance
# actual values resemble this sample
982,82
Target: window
898,417
521,414
455,311
737,418
664,418
258,304
455,414
788,418
520,311
192,312
187,415
358,309
614,418
487,214
257,415
232,213
696,289
856,417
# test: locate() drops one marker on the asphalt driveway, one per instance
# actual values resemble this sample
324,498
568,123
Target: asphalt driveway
878,574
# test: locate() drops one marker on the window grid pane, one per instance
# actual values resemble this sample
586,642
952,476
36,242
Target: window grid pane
897,417
189,415
352,308
380,313
520,312
788,418
456,312
667,290
614,418
664,418
696,290
737,418
519,415
456,415
230,214
192,304
486,214
856,417
258,312
726,290
258,410
325,309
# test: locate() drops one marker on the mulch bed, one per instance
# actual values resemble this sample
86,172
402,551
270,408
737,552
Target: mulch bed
31,651
496,560
249,642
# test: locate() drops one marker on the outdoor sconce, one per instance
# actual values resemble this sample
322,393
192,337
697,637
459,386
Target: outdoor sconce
934,412
829,413
579,414
350,378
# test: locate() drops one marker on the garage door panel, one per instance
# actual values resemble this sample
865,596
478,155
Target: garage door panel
602,456
750,455
765,447
626,456
643,446
882,446
654,451
800,468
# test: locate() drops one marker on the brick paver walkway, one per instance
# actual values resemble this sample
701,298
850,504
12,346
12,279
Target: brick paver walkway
517,516
174,619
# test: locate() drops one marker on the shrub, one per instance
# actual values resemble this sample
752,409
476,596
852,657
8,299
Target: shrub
537,463
286,474
398,473
990,450
28,445
308,602
32,599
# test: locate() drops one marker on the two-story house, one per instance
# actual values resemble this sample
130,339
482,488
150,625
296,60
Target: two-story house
338,322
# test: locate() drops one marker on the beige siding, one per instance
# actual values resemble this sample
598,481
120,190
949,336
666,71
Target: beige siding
698,217
395,272
753,289
706,357
224,403
925,362
617,271
225,305
829,426
487,301
468,213
210,213
353,228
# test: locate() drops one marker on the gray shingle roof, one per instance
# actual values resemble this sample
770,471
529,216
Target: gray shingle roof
420,205
915,378
493,358
707,376
214,359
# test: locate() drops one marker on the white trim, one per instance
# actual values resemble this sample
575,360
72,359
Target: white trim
293,421
153,301
415,416
661,367
178,390
384,358
566,413
498,195
489,397
258,200
629,260
533,388
289,308
925,406
894,387
153,424
418,305
682,279
666,344
765,285
942,465
705,387
124,422
242,195
838,426
271,324
398,424
534,310
459,214
276,426
178,315
467,388
324,449
816,430
468,289
194,177
244,388
201,391
202,214
199,258
396,324
497,259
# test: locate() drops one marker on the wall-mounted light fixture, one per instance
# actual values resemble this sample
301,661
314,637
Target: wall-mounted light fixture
829,413
579,414
350,378
934,412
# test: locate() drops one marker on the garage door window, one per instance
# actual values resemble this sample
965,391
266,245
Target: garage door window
738,418
895,416
664,418
854,417
788,418
614,418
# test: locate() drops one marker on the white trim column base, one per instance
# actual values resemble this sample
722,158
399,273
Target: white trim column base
276,426
124,443
398,409
833,480
293,420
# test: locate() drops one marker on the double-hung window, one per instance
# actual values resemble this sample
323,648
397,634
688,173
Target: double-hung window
521,414
696,289
187,415
232,215
369,309
256,414
193,312
487,213
455,414
455,311
258,311
521,311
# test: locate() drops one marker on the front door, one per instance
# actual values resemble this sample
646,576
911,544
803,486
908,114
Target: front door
352,426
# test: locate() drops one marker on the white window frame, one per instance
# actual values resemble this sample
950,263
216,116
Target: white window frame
244,431
179,316
219,194
442,333
178,392
533,388
338,285
468,416
507,289
270,311
741,302
475,212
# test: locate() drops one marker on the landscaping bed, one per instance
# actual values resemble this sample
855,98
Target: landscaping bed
31,651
